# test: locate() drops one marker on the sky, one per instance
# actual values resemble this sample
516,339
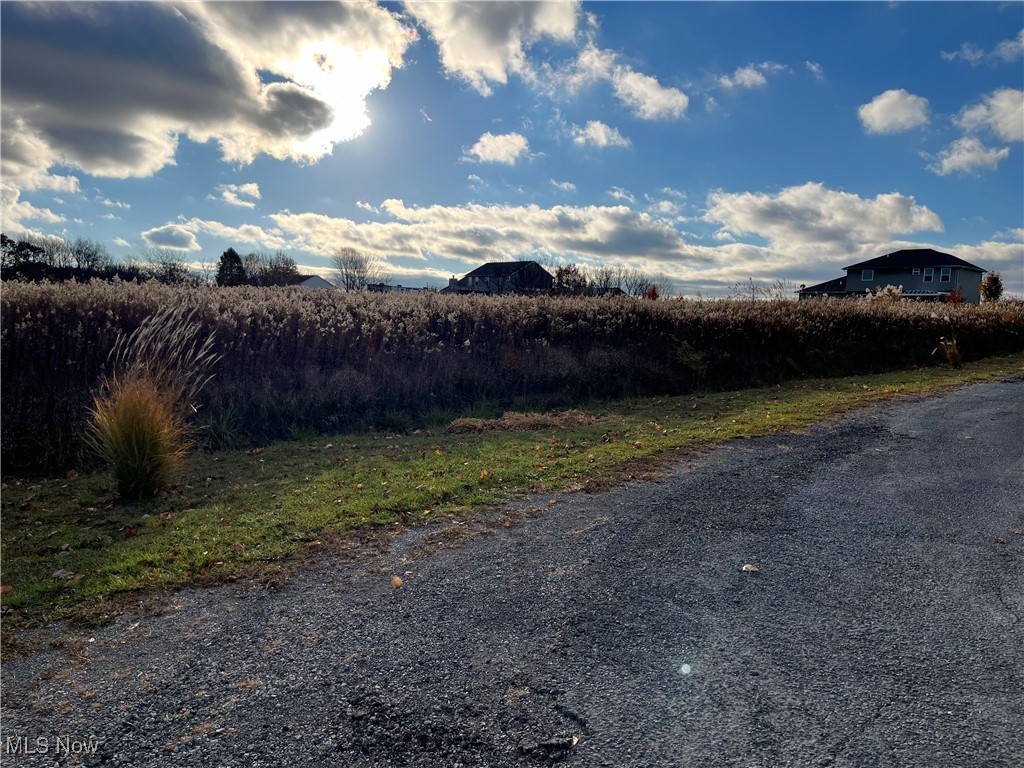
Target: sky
711,143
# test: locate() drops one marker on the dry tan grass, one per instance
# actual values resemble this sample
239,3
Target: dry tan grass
513,421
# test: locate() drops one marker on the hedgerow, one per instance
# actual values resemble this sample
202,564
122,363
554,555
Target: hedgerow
295,361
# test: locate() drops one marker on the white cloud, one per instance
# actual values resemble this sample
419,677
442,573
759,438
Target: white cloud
1001,111
173,236
502,148
597,134
647,97
665,207
14,212
673,193
193,70
893,112
750,76
815,69
813,215
643,94
968,155
618,193
122,242
995,256
110,217
1005,52
366,207
744,77
483,43
271,239
563,186
477,233
114,203
233,194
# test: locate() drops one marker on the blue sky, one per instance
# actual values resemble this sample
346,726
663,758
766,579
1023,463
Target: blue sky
707,142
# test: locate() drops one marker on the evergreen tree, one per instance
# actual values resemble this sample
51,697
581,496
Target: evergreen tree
230,270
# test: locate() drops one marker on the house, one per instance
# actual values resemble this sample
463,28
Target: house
923,273
504,277
309,282
388,288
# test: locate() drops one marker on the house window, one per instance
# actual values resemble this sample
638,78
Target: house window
867,275
945,274
929,274
917,270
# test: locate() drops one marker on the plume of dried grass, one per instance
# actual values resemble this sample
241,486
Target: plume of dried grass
139,420
136,428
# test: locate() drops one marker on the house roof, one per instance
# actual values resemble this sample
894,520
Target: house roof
831,286
501,268
914,257
300,279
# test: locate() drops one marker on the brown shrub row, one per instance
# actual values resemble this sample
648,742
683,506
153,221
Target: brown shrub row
320,361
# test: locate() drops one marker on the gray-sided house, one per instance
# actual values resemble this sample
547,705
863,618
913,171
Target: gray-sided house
504,277
923,273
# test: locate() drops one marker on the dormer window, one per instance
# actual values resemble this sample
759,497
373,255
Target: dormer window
867,275
945,274
929,274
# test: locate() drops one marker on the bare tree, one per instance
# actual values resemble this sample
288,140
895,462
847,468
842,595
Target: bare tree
570,280
636,282
605,279
89,254
353,270
166,265
262,268
56,251
779,290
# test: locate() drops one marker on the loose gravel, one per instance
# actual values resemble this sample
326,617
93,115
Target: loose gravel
882,625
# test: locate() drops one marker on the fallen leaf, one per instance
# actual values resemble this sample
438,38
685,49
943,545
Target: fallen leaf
552,502
638,444
750,568
128,532
62,574
1014,531
396,581
6,589
998,540
968,437
483,475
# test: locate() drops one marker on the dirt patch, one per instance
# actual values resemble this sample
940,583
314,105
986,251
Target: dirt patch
525,422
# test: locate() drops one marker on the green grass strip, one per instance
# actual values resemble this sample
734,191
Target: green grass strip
70,549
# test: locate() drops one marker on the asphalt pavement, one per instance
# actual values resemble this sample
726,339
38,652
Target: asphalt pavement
878,623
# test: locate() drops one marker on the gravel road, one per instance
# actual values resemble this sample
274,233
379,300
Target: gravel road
882,627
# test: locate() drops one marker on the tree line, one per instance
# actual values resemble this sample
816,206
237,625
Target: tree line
351,270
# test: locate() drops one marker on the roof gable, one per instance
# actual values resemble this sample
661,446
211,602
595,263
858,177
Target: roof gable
829,286
909,258
503,268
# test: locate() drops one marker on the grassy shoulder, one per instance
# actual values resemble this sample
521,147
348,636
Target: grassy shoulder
71,550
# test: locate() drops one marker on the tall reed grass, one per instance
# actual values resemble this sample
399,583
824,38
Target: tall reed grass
321,361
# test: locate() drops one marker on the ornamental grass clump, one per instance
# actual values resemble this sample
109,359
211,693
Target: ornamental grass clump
139,420
136,429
